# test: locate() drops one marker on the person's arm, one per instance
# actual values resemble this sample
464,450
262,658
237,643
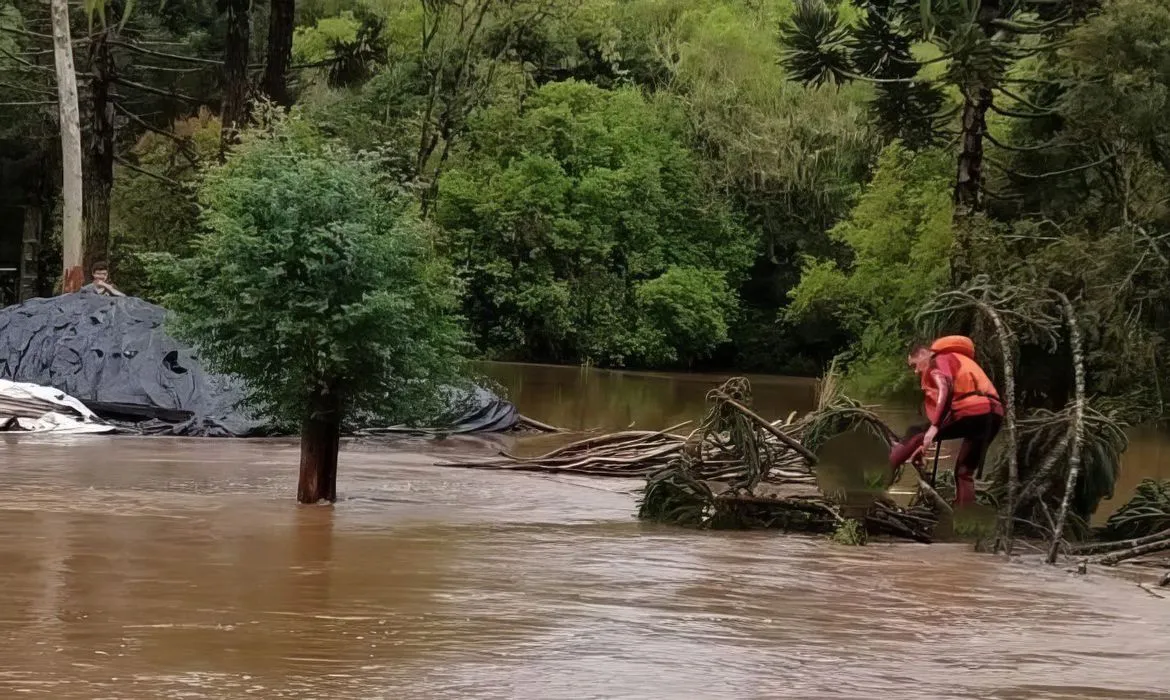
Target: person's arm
942,405
109,289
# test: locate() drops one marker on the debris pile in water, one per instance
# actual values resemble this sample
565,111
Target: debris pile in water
739,470
1138,529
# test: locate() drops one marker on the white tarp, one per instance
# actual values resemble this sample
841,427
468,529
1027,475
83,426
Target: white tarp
41,409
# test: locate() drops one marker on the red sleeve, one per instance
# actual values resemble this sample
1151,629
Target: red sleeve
943,374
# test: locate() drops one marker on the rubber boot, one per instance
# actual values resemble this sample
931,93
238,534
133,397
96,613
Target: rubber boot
964,487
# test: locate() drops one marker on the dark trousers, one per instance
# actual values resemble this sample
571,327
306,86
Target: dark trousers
976,432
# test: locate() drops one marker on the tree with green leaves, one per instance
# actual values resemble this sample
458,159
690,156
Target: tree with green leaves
898,238
560,210
922,55
317,286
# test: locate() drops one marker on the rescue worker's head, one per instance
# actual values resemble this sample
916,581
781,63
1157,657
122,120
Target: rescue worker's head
100,272
918,359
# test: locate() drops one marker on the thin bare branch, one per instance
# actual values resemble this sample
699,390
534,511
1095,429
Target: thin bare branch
1054,173
155,91
184,143
161,178
137,48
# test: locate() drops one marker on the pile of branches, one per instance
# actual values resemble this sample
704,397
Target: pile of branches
737,469
760,495
786,446
1140,528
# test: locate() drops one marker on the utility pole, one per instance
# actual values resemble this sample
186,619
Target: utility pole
71,232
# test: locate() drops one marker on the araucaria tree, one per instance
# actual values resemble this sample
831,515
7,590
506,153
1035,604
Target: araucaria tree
975,49
316,285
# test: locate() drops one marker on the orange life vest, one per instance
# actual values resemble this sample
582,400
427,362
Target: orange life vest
972,392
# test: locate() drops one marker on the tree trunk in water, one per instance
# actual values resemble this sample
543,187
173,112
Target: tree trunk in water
968,195
71,187
99,152
320,440
235,71
1008,395
281,21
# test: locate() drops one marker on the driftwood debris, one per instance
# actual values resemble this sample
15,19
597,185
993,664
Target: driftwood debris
737,469
1139,528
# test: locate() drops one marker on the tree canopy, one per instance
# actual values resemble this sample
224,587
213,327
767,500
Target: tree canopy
311,276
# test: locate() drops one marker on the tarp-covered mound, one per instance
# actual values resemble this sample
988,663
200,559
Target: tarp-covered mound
113,354
474,410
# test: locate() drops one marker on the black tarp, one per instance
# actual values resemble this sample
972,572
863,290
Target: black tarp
113,354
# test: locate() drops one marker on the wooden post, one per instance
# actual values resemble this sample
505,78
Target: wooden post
320,441
71,231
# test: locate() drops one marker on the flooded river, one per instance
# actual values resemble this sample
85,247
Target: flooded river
157,568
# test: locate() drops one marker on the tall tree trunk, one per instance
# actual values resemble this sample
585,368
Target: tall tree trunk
30,250
235,70
99,151
71,183
968,194
320,441
281,21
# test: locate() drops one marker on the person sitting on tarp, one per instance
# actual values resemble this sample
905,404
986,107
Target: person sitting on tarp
101,281
960,402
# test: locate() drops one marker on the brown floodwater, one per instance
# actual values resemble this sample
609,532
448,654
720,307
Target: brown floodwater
146,568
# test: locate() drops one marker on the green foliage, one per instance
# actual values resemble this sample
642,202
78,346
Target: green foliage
148,215
899,237
850,532
1147,513
311,44
559,210
683,315
311,277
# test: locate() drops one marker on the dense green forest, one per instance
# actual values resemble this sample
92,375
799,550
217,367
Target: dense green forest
753,184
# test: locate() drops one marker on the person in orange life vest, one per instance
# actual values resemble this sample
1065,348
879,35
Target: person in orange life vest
960,402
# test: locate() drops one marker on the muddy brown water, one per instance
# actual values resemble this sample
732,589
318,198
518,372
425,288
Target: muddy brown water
159,568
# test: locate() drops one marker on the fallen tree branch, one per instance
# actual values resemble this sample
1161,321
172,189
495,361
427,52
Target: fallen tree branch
1138,551
1104,547
537,425
779,434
